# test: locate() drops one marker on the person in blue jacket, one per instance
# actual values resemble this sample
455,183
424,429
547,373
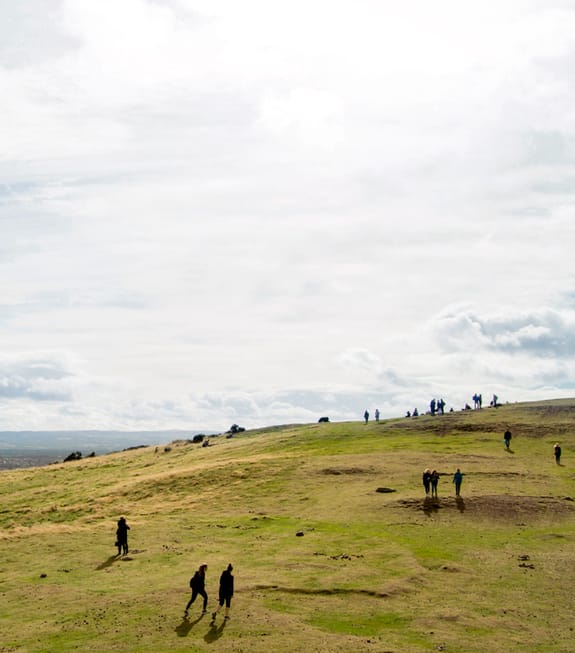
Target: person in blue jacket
457,479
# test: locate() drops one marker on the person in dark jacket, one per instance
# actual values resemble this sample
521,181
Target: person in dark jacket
122,536
426,481
557,453
457,479
226,591
434,481
198,585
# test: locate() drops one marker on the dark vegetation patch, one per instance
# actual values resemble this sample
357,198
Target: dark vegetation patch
337,471
328,591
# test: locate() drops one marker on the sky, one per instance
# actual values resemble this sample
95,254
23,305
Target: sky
217,212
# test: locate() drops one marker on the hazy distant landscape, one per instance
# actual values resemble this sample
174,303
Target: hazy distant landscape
20,449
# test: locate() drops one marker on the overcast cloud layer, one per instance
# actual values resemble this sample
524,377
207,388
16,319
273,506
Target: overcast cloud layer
262,212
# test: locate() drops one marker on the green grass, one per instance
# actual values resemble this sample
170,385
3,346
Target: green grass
371,572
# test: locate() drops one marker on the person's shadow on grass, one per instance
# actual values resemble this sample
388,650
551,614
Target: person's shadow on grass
215,632
107,563
509,450
460,503
430,505
186,625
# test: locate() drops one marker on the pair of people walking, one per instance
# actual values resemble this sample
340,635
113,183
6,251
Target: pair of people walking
225,593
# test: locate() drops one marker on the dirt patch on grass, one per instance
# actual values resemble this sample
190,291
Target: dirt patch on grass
337,471
496,506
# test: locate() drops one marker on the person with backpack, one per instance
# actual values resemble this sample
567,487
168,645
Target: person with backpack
198,586
226,591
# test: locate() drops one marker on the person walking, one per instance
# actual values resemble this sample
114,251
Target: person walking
557,453
377,414
457,479
122,536
198,585
226,592
434,481
507,438
366,416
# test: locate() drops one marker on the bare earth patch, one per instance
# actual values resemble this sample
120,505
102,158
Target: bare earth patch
496,506
337,471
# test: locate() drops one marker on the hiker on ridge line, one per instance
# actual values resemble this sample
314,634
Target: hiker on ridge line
122,536
198,585
366,416
226,591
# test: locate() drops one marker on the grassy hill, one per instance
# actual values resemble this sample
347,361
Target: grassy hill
323,560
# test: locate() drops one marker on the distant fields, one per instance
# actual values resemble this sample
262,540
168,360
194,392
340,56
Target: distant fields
323,560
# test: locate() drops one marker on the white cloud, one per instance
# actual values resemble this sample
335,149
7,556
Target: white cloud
233,212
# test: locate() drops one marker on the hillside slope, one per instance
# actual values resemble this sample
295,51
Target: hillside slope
323,560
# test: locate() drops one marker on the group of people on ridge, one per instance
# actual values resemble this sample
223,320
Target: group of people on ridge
366,415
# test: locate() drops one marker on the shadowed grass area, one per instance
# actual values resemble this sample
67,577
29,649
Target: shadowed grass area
323,561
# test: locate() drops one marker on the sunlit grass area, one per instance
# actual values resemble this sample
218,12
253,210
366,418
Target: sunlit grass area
334,544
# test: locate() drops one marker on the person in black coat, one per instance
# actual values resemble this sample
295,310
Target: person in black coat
427,481
122,536
226,591
198,585
557,453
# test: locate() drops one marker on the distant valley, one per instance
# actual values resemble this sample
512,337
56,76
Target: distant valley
33,448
